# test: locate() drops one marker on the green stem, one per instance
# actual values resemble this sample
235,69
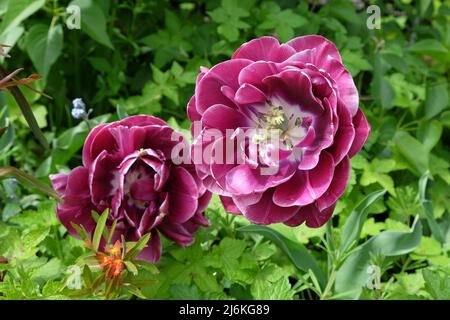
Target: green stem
27,112
330,283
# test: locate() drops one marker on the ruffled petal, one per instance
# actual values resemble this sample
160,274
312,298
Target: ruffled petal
266,212
264,48
362,131
306,186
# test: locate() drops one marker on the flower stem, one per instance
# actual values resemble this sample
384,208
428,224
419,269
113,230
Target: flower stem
330,283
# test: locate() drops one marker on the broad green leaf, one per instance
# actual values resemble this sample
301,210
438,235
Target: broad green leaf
436,99
354,223
430,47
423,7
381,89
18,10
429,133
296,252
185,292
93,21
428,209
44,45
353,274
10,38
121,112
413,151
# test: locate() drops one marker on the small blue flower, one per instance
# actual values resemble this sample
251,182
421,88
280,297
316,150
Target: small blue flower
12,180
79,109
78,104
79,113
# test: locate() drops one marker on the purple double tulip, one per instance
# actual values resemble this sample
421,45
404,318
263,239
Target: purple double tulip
128,168
299,90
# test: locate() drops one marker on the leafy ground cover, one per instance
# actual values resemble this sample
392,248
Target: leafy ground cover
390,234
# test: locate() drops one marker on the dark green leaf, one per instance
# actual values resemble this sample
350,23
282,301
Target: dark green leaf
354,223
296,252
353,273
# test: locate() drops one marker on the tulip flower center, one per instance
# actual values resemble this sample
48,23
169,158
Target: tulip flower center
279,124
138,186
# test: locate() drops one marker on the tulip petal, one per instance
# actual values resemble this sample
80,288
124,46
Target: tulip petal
267,212
323,46
306,186
183,195
243,179
222,117
208,90
248,93
264,48
362,131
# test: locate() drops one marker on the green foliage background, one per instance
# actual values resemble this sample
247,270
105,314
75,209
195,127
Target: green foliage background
134,57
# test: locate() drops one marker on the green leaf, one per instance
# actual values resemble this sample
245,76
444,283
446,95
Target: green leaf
428,209
135,291
430,47
275,278
381,89
184,292
18,10
354,223
296,252
98,232
376,172
436,99
34,237
131,267
93,21
29,180
8,131
429,133
138,246
352,275
355,62
44,46
413,151
438,286
26,111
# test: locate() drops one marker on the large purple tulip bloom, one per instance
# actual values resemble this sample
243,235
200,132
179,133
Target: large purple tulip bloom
127,167
301,90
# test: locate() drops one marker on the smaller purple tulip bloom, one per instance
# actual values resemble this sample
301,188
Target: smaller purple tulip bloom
127,168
